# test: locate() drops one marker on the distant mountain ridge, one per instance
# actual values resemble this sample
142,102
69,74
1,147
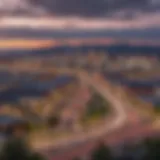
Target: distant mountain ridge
147,34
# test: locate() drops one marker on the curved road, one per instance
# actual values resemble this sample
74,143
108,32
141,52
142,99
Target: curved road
126,125
117,122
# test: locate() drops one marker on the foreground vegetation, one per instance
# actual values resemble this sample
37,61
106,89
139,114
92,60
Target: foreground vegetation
149,149
18,149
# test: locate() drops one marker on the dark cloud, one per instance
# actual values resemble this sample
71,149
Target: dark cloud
95,8
75,7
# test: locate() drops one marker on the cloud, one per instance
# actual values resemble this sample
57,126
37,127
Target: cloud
74,7
121,9
150,20
18,7
97,8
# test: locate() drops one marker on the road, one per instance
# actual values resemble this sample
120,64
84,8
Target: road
114,140
117,122
126,125
114,134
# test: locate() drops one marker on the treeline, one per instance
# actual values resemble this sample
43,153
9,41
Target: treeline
18,149
149,149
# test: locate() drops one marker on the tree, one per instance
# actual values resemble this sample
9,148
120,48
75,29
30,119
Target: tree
152,147
36,156
147,150
97,107
128,152
17,149
53,121
102,152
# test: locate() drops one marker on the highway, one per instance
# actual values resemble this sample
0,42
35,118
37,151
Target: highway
126,125
117,122
135,130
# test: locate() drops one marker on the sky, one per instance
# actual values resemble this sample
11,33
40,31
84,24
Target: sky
91,13
85,8
99,8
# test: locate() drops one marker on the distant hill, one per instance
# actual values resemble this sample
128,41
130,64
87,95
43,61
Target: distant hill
147,34
115,49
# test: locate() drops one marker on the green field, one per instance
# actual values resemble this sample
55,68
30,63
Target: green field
97,108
